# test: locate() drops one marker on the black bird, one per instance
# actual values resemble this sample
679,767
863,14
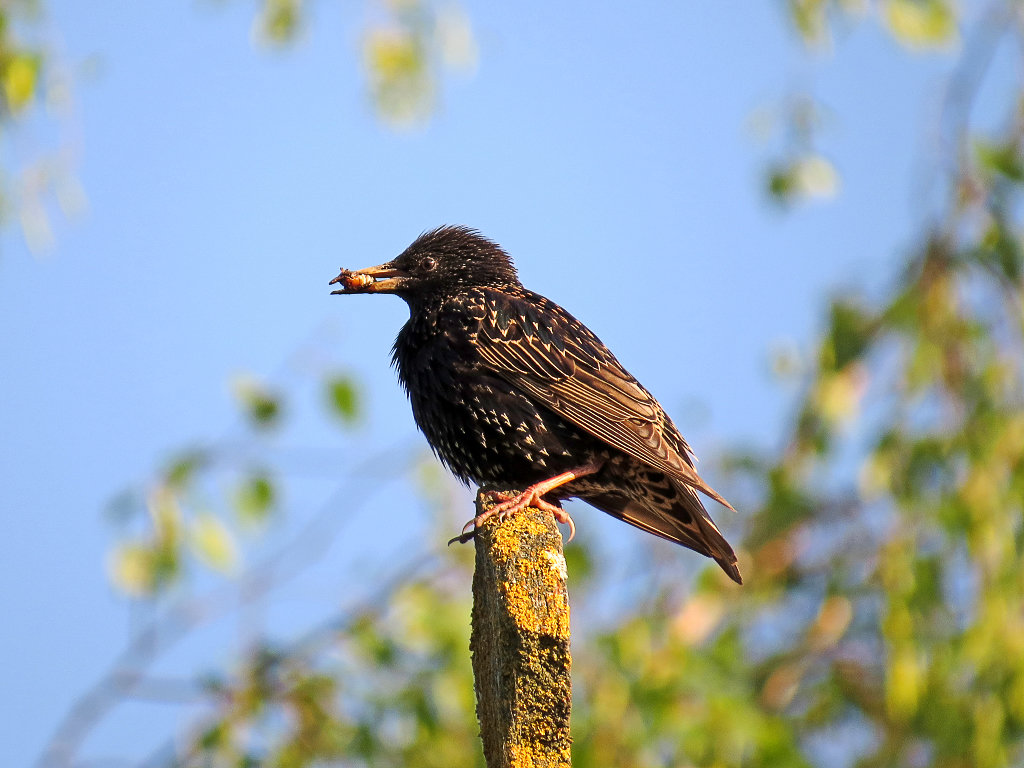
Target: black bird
510,389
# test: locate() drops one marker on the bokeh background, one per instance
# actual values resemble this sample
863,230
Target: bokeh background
796,223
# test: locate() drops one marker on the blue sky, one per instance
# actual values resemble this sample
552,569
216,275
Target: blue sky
227,184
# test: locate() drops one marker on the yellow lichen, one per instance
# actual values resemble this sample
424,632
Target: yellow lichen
531,579
521,655
528,756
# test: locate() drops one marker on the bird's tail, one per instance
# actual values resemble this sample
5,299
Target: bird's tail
682,520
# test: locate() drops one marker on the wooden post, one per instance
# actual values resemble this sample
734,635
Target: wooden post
520,641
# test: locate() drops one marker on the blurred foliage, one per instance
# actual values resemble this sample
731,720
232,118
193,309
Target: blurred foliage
406,51
407,46
916,24
921,23
882,622
802,177
395,689
20,57
801,171
145,564
255,497
261,406
178,527
344,398
178,522
33,90
279,21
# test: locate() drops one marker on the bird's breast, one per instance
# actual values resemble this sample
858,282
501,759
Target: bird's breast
480,426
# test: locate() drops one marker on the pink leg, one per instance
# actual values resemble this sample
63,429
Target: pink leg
531,497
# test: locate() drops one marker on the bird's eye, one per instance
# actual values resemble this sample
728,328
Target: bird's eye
429,263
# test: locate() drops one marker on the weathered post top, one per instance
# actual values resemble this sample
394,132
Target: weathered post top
520,641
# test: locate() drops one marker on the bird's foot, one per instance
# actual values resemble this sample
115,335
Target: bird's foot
510,504
531,497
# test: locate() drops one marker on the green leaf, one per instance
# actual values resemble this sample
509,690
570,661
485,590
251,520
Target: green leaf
213,543
848,336
255,498
921,23
262,407
19,81
165,513
401,76
810,19
280,20
213,737
183,467
1001,250
807,177
780,184
1001,159
131,569
344,398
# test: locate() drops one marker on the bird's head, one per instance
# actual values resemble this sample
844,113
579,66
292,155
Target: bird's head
444,259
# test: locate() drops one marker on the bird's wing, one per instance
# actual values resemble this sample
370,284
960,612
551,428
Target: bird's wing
539,347
682,520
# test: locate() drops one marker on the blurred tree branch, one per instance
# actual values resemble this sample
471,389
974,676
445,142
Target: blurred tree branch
126,677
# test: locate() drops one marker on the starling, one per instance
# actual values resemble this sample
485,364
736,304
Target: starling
511,390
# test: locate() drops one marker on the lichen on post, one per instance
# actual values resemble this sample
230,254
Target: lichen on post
520,641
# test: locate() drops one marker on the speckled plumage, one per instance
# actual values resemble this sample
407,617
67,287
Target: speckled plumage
510,389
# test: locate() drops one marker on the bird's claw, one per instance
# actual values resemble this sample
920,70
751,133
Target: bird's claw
470,529
463,537
564,519
509,505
